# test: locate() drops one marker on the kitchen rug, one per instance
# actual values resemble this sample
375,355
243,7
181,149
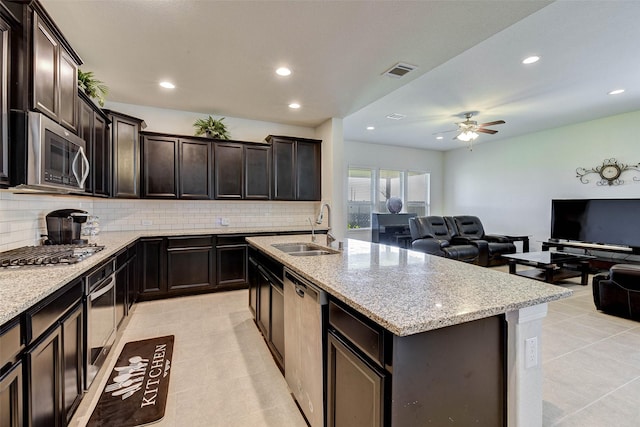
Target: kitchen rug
136,393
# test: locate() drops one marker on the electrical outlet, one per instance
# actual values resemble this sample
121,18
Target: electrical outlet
224,221
147,222
531,352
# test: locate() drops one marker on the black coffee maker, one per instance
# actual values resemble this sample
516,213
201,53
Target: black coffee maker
63,227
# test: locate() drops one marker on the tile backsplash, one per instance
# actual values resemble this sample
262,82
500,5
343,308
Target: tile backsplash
22,216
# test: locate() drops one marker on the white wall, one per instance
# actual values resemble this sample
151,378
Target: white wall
181,123
398,158
509,184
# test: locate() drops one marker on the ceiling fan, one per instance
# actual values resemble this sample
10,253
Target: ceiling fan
469,130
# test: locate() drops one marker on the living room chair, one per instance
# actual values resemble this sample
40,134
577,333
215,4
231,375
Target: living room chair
618,292
470,228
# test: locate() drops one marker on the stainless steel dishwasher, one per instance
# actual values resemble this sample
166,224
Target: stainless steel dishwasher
305,307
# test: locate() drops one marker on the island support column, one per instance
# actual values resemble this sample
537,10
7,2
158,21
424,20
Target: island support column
524,366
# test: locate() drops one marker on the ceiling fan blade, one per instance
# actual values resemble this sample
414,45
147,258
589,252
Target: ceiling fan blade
445,131
497,122
489,131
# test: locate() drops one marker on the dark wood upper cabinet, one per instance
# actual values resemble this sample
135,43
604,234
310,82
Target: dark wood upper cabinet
5,43
194,169
125,157
284,173
93,127
228,159
160,155
308,173
257,172
55,72
296,168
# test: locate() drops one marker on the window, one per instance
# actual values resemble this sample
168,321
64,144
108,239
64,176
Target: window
389,185
369,189
359,204
417,200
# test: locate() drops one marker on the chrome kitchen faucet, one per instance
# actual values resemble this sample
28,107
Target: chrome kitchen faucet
330,237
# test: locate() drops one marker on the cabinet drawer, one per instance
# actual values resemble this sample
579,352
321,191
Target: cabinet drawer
231,240
189,242
366,336
10,341
47,312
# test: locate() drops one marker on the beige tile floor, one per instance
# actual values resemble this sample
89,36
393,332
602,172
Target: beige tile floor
223,374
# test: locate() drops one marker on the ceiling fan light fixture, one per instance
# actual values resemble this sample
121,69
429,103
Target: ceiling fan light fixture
467,136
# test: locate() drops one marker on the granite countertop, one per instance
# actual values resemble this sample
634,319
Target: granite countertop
22,288
409,292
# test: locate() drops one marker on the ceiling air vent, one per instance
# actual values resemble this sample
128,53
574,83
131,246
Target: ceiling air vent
399,70
396,116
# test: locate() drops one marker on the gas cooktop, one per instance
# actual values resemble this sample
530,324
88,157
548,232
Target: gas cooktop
47,255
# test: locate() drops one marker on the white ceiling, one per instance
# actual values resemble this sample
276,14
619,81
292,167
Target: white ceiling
222,55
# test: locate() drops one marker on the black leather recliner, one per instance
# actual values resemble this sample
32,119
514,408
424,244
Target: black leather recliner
470,227
618,292
432,235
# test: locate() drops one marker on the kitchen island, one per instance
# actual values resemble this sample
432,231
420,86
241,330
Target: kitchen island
456,333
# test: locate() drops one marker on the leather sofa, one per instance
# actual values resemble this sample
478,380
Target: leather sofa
461,238
618,292
432,234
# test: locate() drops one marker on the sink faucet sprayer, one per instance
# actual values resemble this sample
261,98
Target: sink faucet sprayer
330,237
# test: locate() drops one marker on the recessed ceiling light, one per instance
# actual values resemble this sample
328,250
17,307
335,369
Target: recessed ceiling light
371,128
530,60
439,137
167,85
283,71
294,105
616,92
396,116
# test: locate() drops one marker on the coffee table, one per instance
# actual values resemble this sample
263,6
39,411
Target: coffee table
551,266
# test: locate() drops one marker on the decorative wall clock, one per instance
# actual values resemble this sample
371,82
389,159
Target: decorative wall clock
609,171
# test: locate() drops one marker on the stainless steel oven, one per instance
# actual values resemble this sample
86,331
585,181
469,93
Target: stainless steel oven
100,327
48,156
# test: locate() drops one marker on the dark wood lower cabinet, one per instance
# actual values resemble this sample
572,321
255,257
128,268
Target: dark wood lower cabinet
11,397
277,320
190,264
44,384
72,362
232,264
152,267
355,389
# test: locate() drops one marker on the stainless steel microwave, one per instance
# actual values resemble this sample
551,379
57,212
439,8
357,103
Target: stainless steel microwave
55,159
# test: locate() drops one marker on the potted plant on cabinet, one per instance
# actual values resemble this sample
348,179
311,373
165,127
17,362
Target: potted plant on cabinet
93,87
211,128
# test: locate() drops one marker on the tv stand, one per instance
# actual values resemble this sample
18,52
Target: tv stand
602,261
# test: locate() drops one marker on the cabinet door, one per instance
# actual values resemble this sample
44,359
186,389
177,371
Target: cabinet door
72,362
132,283
190,267
68,91
284,177
232,265
159,166
122,279
264,307
5,42
355,390
257,172
11,402
277,321
152,264
253,286
101,156
126,157
308,175
228,170
194,170
45,70
44,386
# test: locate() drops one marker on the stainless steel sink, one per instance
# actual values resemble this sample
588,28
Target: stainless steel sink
303,249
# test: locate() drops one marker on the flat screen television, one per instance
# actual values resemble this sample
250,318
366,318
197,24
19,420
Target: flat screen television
605,221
